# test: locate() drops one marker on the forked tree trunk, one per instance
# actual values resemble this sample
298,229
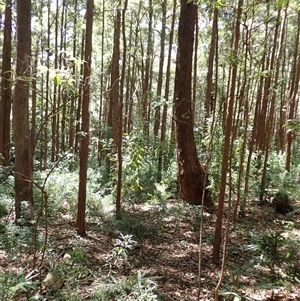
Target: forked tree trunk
192,174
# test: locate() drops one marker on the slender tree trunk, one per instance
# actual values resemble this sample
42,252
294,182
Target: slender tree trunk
160,69
270,97
44,146
292,99
79,99
163,146
102,90
73,102
243,96
22,140
84,140
195,71
227,138
129,75
210,93
280,129
33,105
5,101
147,72
120,114
115,105
61,106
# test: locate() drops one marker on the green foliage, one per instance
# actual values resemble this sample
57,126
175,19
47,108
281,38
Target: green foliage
15,239
140,171
281,180
3,209
278,252
132,288
7,183
120,252
215,164
281,3
234,296
62,188
15,285
66,274
140,224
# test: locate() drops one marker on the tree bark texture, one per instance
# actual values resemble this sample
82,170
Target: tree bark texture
22,140
5,101
192,174
84,141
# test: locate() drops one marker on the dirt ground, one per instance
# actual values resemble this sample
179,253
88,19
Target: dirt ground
167,248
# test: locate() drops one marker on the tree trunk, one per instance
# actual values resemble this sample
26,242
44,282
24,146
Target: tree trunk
23,164
192,174
115,104
84,141
163,149
292,99
227,138
160,70
5,101
210,97
147,72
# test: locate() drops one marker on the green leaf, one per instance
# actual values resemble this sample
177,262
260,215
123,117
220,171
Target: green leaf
219,4
57,80
189,1
281,3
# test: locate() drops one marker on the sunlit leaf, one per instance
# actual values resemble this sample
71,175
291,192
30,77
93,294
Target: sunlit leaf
281,3
57,80
219,4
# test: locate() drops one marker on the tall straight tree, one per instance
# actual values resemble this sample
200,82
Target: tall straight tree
291,104
192,174
228,131
161,68
210,96
115,102
5,101
85,123
147,70
22,141
166,97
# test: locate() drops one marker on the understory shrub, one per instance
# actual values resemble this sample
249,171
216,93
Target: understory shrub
278,252
15,285
137,287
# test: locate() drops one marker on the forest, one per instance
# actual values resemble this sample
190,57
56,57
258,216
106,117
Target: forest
149,150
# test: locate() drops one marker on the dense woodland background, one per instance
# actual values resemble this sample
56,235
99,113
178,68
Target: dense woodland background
113,112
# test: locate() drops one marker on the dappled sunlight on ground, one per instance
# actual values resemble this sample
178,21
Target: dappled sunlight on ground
167,250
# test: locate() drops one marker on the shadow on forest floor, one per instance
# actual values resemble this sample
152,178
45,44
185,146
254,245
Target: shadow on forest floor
159,257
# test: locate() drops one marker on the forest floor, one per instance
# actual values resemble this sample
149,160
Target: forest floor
162,263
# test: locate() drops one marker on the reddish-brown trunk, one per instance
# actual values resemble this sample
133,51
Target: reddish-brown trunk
5,101
191,174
